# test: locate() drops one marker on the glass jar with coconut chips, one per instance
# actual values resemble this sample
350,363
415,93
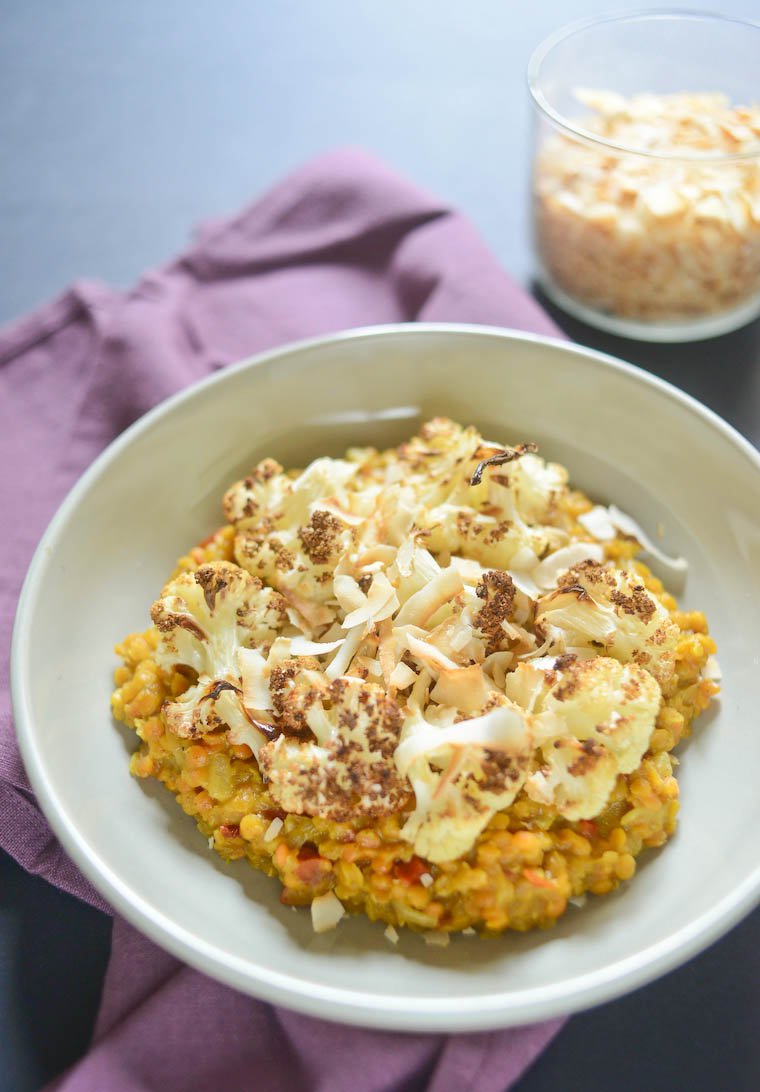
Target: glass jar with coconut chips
646,181
433,685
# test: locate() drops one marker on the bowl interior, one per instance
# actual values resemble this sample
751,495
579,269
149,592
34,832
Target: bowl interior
625,438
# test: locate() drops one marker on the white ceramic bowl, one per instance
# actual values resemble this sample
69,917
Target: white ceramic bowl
625,437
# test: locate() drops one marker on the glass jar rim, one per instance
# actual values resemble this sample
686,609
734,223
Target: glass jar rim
569,30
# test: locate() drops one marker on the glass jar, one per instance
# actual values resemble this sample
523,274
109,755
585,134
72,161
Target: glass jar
646,172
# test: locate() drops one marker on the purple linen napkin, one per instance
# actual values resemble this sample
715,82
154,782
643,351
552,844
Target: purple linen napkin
342,242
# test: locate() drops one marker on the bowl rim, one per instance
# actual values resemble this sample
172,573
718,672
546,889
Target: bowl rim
586,136
338,1003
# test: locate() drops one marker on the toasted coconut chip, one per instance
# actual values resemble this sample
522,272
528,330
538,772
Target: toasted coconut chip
712,669
424,569
551,568
423,604
496,666
524,582
386,611
348,593
429,655
598,523
384,555
543,663
470,571
436,940
400,634
314,614
252,666
424,565
672,569
405,557
462,637
344,567
441,716
326,912
379,603
386,650
371,612
301,646
537,652
504,728
320,724
332,506
345,654
359,617
279,651
466,688
295,618
525,684
372,666
418,696
394,517
439,633
402,676
605,524
273,829
515,633
334,633
250,736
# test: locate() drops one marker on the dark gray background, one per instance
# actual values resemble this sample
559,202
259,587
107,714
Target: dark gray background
124,124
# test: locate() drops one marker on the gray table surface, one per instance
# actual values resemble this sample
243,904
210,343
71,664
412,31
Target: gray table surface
122,125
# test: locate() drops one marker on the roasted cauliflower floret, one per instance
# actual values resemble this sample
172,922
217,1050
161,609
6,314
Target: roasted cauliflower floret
439,461
443,461
263,491
537,487
297,687
454,818
500,519
348,769
204,618
271,497
292,531
613,703
462,774
592,720
577,778
609,609
462,803
299,560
